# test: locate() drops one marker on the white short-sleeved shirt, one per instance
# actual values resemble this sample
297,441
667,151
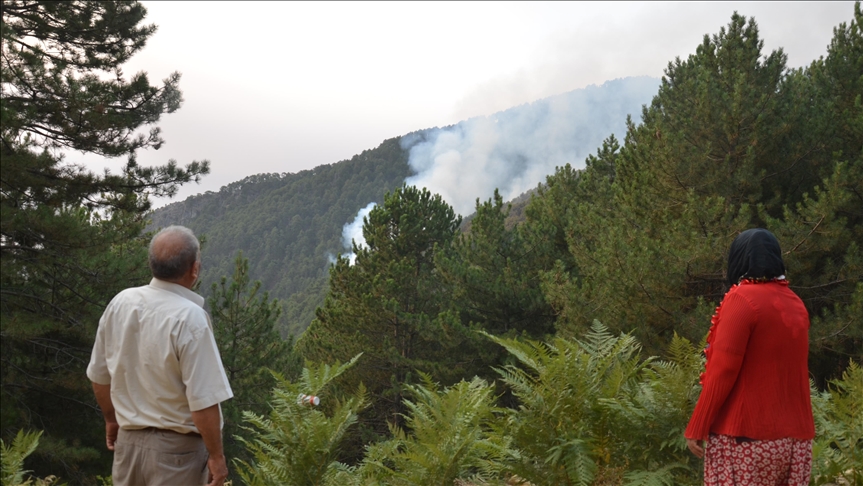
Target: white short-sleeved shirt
156,349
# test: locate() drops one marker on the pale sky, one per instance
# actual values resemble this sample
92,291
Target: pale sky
288,86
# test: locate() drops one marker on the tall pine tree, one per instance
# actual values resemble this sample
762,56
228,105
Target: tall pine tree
492,271
732,140
391,306
245,327
71,239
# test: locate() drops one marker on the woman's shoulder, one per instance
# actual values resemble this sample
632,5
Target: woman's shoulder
756,292
760,286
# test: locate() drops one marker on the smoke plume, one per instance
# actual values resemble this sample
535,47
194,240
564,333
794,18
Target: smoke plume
516,149
353,232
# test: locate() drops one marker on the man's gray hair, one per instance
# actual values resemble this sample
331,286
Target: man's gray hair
172,265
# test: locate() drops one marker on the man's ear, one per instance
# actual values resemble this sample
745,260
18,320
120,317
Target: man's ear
196,270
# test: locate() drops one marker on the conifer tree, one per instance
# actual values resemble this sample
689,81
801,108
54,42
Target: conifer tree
244,324
491,270
71,239
732,140
391,306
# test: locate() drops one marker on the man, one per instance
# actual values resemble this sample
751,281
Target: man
158,376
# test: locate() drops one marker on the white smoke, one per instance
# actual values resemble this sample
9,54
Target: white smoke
514,150
353,233
331,259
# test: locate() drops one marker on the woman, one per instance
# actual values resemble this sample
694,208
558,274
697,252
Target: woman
754,410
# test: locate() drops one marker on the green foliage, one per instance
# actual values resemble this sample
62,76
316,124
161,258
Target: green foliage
54,97
840,88
288,225
390,306
591,411
45,43
298,443
732,140
71,239
244,324
825,262
491,271
587,408
449,438
13,456
838,448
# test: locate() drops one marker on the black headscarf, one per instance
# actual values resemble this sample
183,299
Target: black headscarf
755,253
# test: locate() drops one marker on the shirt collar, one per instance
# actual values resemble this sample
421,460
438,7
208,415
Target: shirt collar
179,290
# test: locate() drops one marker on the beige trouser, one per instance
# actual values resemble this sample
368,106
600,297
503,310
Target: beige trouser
155,457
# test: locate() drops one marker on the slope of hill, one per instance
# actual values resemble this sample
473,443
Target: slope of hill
290,225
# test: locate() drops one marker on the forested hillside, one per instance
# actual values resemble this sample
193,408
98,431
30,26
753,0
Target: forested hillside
289,226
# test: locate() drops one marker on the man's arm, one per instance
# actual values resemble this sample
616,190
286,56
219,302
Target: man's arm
103,398
209,423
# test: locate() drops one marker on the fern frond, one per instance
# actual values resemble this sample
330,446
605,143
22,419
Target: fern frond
660,477
13,456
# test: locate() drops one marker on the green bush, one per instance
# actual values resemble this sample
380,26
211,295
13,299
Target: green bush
593,412
12,459
589,412
838,448
298,443
450,438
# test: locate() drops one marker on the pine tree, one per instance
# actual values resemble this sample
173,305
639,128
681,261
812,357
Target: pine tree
491,270
71,239
824,230
244,324
732,140
391,306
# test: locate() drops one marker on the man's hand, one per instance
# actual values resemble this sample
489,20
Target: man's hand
103,398
209,423
111,429
696,446
218,467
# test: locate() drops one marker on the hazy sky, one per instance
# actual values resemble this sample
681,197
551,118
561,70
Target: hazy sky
287,86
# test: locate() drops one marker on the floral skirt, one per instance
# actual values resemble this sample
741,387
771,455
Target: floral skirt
728,462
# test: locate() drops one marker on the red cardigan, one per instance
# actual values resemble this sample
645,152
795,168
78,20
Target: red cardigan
756,384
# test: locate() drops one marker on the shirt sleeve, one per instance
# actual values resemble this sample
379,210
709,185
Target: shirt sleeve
201,366
736,318
97,370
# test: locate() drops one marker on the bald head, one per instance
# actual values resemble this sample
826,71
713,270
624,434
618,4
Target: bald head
174,253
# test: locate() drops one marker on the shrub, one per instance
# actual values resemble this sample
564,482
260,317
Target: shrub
838,448
297,443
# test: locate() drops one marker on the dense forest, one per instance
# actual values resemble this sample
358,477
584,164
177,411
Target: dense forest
556,346
288,225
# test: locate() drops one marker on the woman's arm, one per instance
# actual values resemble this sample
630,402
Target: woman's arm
735,320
